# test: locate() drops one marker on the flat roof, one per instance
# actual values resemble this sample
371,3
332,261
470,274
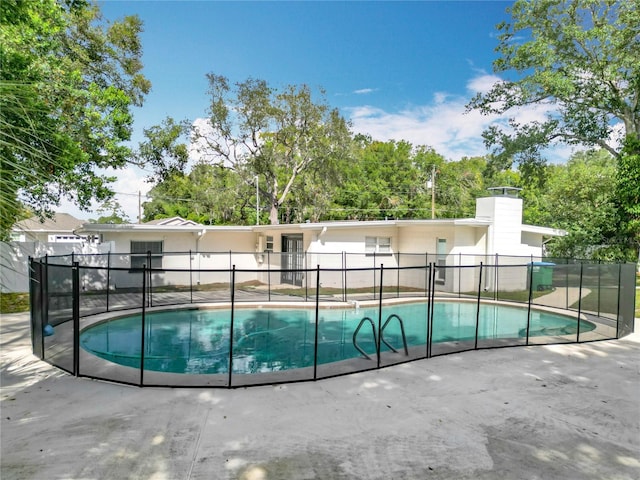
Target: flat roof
452,222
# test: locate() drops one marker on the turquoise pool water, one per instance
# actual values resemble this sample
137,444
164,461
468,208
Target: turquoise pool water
264,340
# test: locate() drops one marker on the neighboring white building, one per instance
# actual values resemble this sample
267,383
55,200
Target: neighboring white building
59,229
35,238
496,229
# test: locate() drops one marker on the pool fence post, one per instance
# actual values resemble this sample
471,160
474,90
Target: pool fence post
530,298
142,325
233,297
36,311
108,276
398,280
459,274
599,288
430,270
433,302
45,297
149,273
579,304
495,278
231,277
618,307
344,276
306,278
427,276
374,274
44,302
190,279
315,343
379,314
478,306
566,290
269,275
75,282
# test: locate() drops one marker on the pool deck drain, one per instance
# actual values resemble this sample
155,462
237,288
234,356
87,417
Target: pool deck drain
552,412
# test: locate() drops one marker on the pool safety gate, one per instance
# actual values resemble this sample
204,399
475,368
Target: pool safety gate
70,293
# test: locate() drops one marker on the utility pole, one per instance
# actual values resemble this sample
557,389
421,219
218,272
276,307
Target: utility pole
139,206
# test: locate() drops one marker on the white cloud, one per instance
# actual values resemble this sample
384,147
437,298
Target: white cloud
482,83
364,91
444,123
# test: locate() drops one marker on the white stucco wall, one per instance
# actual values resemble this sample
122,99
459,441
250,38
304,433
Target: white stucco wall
326,249
14,270
506,216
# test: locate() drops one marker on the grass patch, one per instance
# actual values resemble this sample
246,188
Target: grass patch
608,300
14,302
607,303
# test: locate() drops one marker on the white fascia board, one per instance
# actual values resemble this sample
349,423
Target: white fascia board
472,222
329,225
129,228
546,231
465,222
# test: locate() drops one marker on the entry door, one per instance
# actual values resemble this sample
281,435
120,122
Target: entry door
292,259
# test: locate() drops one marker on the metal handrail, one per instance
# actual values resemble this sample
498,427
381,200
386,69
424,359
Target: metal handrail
355,334
404,338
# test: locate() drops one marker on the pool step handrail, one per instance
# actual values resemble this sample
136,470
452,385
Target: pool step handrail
373,330
355,334
404,338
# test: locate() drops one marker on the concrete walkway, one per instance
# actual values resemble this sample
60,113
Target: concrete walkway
545,412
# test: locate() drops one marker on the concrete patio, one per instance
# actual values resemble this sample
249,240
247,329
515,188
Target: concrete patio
539,412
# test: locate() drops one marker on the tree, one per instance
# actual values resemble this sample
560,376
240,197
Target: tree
384,180
165,149
67,84
209,194
256,130
580,198
458,185
628,196
580,62
111,212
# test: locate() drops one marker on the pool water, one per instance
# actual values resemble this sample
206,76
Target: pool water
265,340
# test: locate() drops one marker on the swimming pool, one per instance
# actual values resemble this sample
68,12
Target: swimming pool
269,339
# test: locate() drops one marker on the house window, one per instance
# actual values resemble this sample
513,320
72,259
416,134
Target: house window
441,261
269,247
377,245
139,252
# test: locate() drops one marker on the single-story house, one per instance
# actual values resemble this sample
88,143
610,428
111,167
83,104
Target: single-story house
496,229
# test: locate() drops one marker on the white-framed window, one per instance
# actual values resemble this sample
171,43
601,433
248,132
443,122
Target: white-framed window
441,261
377,245
269,244
140,250
65,239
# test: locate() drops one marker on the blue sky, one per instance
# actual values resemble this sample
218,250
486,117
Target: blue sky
397,70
